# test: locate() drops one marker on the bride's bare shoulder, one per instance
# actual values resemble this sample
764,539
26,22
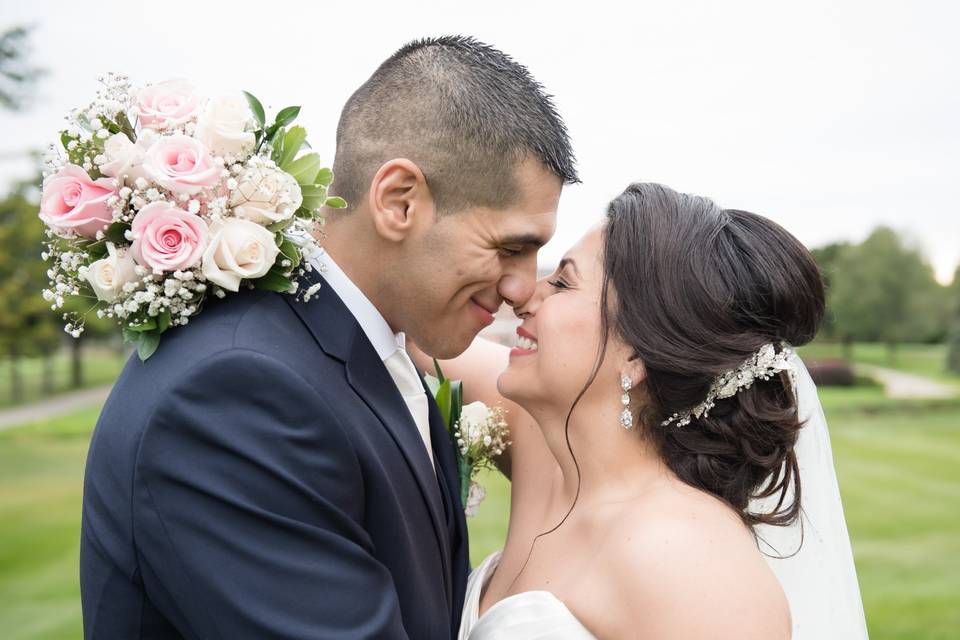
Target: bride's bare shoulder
689,568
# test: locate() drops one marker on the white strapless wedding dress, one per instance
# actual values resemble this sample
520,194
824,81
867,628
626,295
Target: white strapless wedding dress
530,615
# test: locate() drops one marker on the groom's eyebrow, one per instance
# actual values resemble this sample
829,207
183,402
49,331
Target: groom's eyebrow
527,239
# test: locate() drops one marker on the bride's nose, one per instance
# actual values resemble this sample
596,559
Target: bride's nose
530,307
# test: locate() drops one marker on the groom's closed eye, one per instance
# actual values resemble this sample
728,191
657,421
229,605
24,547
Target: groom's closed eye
515,245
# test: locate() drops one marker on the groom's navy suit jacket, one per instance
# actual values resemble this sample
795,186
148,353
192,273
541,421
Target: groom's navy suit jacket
260,476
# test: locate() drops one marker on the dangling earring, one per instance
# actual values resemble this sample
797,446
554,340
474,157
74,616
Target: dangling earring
626,418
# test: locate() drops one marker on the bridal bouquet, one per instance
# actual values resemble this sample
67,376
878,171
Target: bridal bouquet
479,435
160,196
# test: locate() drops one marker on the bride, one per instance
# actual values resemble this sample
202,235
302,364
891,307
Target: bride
653,411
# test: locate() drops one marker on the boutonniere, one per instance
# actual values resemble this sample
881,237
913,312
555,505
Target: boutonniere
478,433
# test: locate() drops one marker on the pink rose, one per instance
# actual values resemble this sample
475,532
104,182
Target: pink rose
181,164
167,238
74,203
166,104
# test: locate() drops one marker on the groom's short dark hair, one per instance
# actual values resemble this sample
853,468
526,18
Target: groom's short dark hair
465,112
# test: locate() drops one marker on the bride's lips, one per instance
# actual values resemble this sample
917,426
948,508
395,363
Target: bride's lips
483,313
526,344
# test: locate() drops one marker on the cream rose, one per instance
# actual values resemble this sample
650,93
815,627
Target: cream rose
238,250
223,126
108,275
124,158
265,195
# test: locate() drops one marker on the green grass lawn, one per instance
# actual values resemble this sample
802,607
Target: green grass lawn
899,468
922,359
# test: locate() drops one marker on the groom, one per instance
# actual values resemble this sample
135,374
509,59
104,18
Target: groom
276,469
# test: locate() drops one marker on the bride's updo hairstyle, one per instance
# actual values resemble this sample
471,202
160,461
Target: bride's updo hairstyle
695,290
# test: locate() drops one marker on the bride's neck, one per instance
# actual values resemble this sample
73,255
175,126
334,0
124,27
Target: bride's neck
614,463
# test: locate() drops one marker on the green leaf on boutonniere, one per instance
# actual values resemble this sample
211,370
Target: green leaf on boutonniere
148,343
443,399
256,108
436,367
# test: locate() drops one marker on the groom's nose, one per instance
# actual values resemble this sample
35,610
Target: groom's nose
517,285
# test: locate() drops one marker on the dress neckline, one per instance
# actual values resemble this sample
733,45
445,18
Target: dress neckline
491,565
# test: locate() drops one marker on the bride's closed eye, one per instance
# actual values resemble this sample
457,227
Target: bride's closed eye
558,284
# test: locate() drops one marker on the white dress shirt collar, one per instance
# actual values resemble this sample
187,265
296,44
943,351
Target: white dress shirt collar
383,339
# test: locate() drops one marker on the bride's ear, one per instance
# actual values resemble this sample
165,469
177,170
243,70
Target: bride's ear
399,199
635,370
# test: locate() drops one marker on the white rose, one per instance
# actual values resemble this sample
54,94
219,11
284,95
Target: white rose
264,195
223,126
238,250
472,418
108,275
123,158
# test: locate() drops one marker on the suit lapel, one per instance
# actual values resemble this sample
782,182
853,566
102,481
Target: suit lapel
340,336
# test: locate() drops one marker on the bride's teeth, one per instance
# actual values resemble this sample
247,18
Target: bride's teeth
526,343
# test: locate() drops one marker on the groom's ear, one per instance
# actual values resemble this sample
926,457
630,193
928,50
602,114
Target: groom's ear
399,199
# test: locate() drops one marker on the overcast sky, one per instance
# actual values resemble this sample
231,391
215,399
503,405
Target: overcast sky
830,117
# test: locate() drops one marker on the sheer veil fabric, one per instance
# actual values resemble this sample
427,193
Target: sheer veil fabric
820,579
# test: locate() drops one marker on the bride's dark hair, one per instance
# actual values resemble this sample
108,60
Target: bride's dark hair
694,290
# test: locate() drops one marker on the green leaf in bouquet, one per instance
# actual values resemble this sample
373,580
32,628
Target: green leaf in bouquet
292,140
66,138
313,191
115,232
286,116
256,108
336,202
96,249
304,169
147,325
163,320
312,204
147,344
278,227
126,127
324,177
273,281
291,252
129,335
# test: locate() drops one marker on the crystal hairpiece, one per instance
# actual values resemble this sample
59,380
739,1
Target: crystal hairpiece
762,365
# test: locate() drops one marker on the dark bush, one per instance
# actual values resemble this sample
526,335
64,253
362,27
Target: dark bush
831,372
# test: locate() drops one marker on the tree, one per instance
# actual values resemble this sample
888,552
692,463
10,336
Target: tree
953,341
884,291
27,325
17,75
827,258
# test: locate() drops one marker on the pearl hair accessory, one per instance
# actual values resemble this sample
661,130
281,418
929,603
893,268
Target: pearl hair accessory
762,365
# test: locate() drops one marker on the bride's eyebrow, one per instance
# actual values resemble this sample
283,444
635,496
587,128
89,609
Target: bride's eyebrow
572,263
